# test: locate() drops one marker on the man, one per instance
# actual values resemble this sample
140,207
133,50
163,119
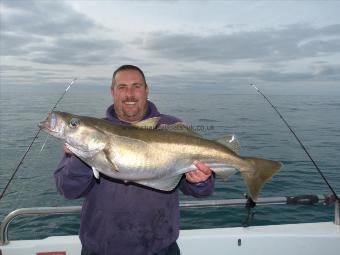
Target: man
126,218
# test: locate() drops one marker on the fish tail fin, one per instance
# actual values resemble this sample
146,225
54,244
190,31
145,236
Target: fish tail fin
257,173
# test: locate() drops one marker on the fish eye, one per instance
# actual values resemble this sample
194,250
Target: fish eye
74,122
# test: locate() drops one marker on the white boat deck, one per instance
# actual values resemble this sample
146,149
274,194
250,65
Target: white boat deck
309,238
292,239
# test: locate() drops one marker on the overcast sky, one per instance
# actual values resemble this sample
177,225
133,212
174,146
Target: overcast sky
178,43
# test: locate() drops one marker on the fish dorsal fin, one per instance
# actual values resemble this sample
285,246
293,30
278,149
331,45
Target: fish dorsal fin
231,142
178,127
150,123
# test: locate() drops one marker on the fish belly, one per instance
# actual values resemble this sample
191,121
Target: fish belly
143,165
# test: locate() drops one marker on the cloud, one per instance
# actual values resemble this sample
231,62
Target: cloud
329,72
45,18
12,44
290,42
49,32
322,46
76,51
51,40
5,68
286,54
207,79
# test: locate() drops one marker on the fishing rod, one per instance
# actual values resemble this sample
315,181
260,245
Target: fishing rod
34,138
300,142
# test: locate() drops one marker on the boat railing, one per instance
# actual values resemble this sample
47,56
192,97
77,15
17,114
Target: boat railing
303,199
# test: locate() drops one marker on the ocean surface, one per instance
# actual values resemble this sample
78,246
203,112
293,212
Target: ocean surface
315,119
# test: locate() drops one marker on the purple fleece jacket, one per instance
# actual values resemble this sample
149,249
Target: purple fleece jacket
120,218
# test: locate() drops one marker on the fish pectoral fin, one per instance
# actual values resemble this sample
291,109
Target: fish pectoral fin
95,173
231,142
111,162
164,184
257,173
150,123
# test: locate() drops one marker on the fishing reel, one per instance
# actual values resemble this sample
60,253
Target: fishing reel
250,205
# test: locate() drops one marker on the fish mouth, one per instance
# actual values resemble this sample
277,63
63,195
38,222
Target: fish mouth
49,123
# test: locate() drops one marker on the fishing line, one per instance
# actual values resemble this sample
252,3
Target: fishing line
297,138
43,146
35,137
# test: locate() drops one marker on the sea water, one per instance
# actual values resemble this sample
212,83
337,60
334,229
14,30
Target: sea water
315,119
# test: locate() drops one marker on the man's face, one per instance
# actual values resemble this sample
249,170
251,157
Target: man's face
130,95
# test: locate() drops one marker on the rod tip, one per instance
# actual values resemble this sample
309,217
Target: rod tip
254,86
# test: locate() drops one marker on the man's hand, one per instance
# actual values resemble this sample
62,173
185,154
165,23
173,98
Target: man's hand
202,173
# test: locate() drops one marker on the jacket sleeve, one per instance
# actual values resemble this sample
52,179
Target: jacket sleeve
201,189
73,177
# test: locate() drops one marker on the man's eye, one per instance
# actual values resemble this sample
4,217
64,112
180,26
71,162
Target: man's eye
139,85
74,123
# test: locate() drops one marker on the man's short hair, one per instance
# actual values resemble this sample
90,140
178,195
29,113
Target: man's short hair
127,67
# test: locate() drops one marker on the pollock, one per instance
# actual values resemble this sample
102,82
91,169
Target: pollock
152,157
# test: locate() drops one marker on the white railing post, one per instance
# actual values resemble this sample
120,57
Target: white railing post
337,212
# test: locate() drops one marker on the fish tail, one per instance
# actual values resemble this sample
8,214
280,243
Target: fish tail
256,172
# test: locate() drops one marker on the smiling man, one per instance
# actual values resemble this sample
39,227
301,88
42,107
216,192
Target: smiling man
126,218
130,92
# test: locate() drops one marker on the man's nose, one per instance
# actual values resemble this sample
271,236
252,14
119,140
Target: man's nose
129,91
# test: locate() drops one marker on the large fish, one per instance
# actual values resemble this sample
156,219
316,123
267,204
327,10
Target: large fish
156,158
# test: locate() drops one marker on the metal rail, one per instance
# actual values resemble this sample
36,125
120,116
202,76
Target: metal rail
304,199
31,212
